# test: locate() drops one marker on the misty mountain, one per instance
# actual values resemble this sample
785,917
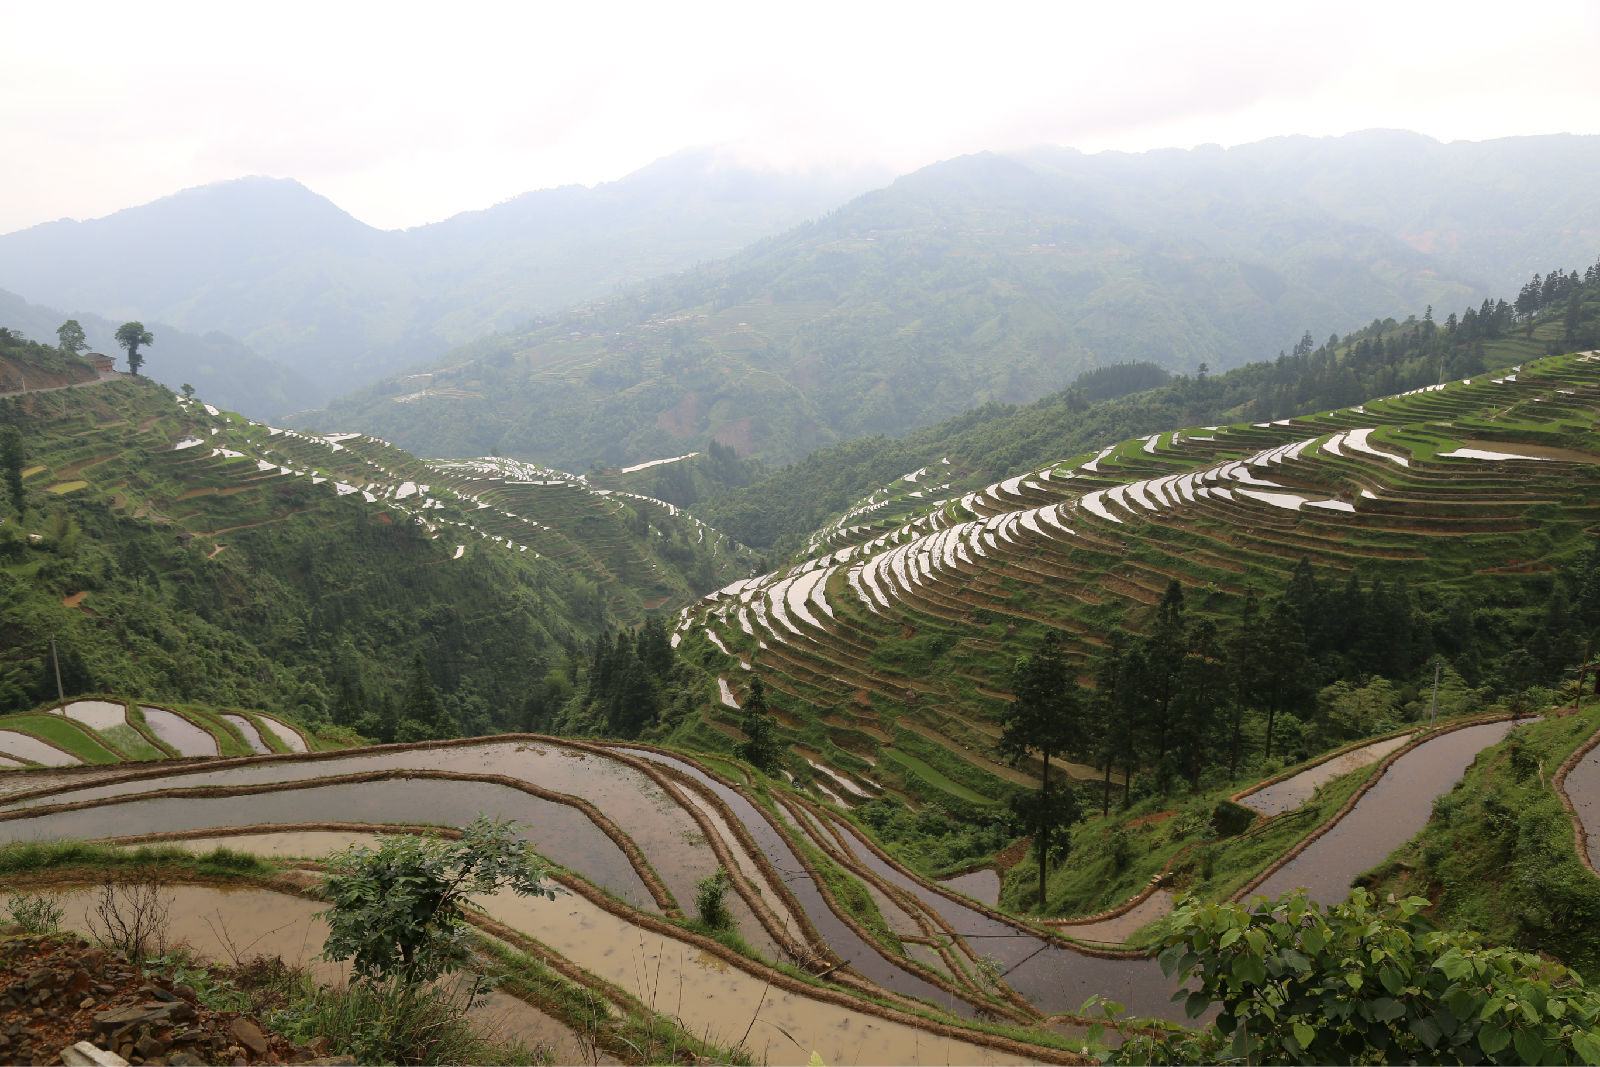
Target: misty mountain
302,282
221,369
1001,278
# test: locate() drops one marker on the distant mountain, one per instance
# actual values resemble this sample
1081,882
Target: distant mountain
1002,278
215,364
300,281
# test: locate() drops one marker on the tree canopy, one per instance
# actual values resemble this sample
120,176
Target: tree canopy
132,336
398,911
70,337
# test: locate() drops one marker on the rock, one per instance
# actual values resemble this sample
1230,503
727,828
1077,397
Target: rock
185,992
248,1034
155,992
185,1059
150,1046
85,1054
118,1020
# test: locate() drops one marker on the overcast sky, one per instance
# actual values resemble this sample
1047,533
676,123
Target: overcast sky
404,113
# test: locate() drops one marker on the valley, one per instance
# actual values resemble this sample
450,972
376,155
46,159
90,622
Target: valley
886,649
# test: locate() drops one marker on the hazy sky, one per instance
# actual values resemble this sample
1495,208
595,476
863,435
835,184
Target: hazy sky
404,113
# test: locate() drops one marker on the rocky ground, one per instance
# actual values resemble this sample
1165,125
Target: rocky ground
57,990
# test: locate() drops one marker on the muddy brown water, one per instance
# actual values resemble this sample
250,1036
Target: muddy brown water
1583,789
1049,976
558,831
1294,791
707,995
844,941
715,1000
670,839
1386,817
1117,929
225,923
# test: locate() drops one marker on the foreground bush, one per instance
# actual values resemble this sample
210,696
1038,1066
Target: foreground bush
1360,985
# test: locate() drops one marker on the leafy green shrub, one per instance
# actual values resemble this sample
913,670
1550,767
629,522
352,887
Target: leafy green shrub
1230,819
397,910
395,1023
710,899
36,913
1359,985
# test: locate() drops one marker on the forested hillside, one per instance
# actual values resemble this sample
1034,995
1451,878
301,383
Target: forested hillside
178,552
984,278
1557,311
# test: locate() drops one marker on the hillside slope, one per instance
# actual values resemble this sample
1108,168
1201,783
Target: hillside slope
184,553
985,278
1350,546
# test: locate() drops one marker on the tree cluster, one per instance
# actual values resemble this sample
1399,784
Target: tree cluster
626,679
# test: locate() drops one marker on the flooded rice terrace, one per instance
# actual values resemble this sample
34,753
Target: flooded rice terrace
647,822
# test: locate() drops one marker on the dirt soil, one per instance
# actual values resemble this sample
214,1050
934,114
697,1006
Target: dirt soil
57,990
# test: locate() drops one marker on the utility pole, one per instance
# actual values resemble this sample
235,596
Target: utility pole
60,692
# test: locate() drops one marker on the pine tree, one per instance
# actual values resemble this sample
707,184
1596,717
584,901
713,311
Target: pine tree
761,747
1044,716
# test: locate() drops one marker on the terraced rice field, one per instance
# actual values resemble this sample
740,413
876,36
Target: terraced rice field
108,731
1448,481
633,829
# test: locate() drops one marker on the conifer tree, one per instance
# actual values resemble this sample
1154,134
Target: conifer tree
761,747
1044,716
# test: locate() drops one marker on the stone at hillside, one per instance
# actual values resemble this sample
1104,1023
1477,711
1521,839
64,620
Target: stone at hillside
249,1035
85,1054
119,1020
150,1046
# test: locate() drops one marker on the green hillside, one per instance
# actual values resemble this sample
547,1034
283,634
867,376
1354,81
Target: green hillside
188,554
985,278
1102,407
1234,597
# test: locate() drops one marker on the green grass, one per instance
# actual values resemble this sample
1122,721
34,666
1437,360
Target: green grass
25,857
932,777
64,733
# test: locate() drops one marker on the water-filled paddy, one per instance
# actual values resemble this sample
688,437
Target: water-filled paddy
31,748
844,941
1294,791
561,832
248,731
181,734
221,924
97,714
1387,815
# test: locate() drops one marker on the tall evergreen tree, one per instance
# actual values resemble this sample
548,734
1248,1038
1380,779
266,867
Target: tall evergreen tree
1044,716
761,747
